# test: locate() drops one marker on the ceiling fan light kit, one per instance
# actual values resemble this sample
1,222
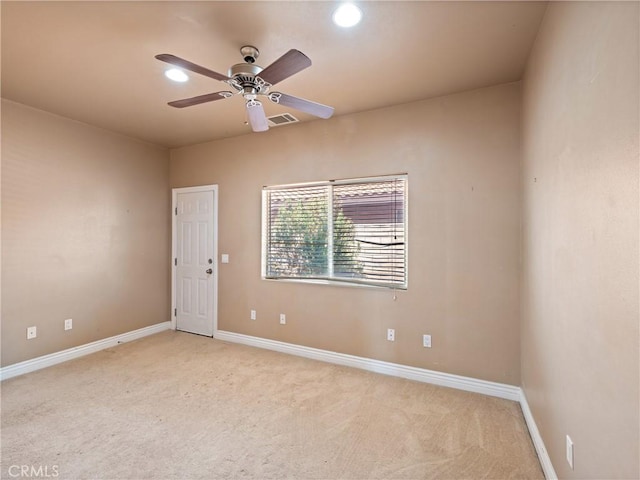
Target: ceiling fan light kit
257,118
250,81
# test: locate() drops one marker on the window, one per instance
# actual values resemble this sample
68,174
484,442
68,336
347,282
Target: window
351,231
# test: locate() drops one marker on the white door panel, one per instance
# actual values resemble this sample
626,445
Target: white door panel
195,268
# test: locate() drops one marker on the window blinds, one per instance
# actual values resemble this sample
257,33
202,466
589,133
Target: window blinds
348,231
298,231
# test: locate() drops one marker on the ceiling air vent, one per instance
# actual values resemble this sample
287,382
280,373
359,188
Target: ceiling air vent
283,119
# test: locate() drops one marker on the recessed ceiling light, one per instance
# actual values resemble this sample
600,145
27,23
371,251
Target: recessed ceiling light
176,75
347,15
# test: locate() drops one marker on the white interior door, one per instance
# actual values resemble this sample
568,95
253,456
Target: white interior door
195,268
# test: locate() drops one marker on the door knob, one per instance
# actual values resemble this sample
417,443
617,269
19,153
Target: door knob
209,271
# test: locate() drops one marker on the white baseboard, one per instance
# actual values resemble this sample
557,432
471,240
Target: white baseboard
536,438
75,352
493,389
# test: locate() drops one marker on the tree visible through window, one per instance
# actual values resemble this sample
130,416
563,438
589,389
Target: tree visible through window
349,231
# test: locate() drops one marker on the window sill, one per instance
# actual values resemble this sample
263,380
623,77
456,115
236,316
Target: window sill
334,283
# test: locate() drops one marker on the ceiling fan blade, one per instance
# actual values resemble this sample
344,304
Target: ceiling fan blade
257,118
209,97
307,106
187,65
288,64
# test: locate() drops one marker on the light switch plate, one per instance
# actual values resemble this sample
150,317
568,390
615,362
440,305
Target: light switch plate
224,258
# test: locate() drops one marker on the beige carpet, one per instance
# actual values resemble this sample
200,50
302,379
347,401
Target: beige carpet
180,406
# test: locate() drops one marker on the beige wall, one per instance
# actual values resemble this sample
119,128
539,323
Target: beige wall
580,252
462,156
85,233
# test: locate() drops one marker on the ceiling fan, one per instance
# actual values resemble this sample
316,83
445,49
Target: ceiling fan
252,81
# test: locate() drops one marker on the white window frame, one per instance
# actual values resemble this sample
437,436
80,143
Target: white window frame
330,281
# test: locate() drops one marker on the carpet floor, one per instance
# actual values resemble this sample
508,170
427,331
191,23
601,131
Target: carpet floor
180,406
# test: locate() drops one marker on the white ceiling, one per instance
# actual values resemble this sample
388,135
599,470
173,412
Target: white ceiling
94,61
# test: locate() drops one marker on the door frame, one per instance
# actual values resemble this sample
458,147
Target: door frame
174,206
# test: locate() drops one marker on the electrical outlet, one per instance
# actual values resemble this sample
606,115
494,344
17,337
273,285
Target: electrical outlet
32,332
570,451
68,324
391,334
426,341
253,314
283,319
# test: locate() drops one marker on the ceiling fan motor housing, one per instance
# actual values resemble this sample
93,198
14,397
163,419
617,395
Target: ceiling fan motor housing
245,79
